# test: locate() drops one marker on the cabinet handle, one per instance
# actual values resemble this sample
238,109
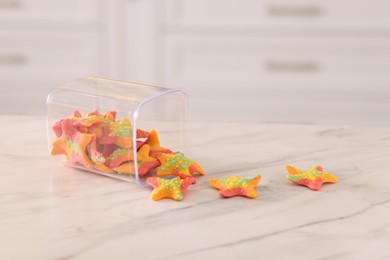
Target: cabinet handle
10,4
291,66
12,59
294,10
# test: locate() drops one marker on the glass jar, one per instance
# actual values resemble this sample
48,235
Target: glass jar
116,128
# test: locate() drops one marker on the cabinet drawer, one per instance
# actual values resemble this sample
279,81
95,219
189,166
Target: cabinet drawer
277,61
47,54
290,13
316,111
26,95
33,63
57,10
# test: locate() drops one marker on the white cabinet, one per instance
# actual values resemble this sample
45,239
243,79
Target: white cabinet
31,63
34,11
311,61
283,13
42,44
317,61
47,54
277,61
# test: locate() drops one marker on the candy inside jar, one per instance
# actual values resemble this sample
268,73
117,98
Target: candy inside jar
114,128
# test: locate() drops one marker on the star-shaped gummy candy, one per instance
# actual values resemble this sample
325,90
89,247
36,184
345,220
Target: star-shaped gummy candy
156,150
177,164
118,133
97,157
173,188
120,156
236,186
313,178
145,163
73,144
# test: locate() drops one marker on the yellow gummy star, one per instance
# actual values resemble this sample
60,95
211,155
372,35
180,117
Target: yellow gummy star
173,188
177,164
73,144
145,163
312,178
155,148
236,186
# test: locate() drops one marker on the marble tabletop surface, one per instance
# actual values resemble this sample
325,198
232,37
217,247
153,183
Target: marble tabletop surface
50,211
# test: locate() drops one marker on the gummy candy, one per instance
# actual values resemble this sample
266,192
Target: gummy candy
236,186
313,178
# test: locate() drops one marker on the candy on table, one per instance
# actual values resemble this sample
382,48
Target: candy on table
177,164
313,178
236,186
169,188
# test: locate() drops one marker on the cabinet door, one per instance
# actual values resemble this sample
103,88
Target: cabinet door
38,11
318,111
234,14
278,79
31,63
280,61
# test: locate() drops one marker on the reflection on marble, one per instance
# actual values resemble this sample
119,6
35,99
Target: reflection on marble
49,211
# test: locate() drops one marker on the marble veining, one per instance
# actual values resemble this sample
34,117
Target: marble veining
50,211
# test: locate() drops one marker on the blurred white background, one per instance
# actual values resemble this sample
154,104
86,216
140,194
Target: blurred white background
301,61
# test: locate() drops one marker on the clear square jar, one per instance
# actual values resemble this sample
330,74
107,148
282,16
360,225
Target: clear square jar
114,128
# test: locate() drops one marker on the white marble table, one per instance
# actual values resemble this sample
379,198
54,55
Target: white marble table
49,211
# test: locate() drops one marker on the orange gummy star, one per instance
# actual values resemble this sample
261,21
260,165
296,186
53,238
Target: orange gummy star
110,116
73,144
119,133
236,186
57,129
120,156
92,120
155,148
97,157
173,188
145,163
177,164
313,178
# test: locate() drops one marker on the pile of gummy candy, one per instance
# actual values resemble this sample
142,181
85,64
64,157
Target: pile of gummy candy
105,144
100,142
